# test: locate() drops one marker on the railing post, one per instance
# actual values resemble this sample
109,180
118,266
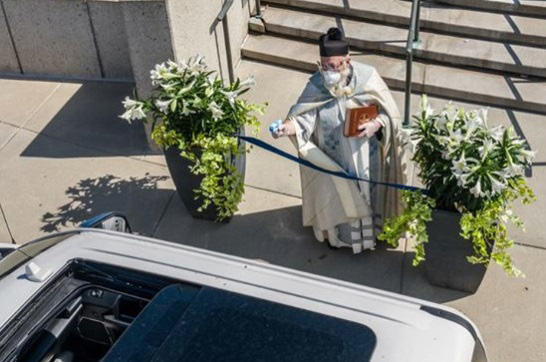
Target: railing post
413,40
258,9
416,39
407,99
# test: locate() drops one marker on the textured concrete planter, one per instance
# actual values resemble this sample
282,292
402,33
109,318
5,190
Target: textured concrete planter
185,182
446,265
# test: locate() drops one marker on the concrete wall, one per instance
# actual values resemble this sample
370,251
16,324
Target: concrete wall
64,38
194,30
116,39
8,57
53,37
111,39
149,38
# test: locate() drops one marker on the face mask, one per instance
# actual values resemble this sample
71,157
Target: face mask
331,77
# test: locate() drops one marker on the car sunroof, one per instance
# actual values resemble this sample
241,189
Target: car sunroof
185,324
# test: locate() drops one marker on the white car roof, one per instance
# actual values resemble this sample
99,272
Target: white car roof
405,332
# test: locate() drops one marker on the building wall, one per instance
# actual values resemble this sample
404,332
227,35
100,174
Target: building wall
149,39
111,39
116,39
195,30
53,37
8,57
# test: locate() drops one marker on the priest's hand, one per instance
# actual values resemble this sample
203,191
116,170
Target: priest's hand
369,129
285,129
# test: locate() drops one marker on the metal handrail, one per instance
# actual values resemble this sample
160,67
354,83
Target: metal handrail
224,10
413,40
223,18
258,9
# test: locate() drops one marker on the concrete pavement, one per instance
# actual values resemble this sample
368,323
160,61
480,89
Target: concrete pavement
65,156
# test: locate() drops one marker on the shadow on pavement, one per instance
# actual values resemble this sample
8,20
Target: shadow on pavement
135,197
89,118
277,236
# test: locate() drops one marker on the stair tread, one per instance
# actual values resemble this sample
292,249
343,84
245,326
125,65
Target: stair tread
527,7
435,79
444,48
438,16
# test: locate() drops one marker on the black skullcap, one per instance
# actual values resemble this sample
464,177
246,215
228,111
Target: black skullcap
333,43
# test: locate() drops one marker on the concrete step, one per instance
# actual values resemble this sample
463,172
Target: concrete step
535,8
447,82
445,18
504,57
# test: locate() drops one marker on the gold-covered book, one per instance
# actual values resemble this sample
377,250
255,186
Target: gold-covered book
357,116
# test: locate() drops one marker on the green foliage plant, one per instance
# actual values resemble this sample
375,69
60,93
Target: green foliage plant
470,167
194,110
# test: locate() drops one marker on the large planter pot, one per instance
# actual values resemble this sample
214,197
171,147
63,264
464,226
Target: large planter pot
446,251
186,182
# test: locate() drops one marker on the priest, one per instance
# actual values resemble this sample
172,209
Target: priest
343,212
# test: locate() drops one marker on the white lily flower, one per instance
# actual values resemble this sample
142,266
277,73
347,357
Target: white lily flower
231,96
487,147
429,111
196,64
158,72
163,105
518,141
528,155
126,115
497,133
167,87
187,88
462,179
217,113
185,109
450,112
503,175
440,122
514,170
183,65
477,189
248,82
129,103
446,153
172,65
496,186
133,110
199,59
456,137
443,140
483,115
133,113
506,215
512,133
408,143
472,124
460,166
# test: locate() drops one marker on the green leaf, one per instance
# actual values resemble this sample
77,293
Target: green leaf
221,187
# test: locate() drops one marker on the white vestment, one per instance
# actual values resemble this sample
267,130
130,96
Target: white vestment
331,205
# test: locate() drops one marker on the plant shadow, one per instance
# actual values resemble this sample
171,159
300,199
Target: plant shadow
140,199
